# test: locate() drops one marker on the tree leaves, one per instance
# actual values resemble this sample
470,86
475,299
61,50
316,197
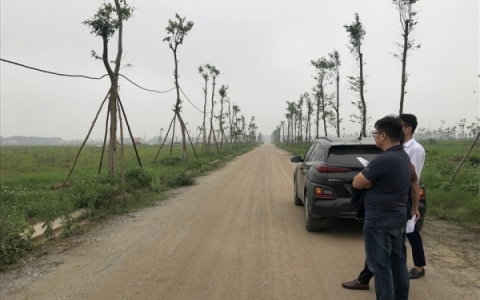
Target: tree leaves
356,33
105,22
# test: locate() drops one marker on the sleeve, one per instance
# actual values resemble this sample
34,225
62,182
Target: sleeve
413,174
417,157
374,169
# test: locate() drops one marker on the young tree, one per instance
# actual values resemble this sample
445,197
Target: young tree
205,76
335,74
322,66
310,107
223,91
356,33
288,116
291,118
108,19
252,129
260,137
408,20
300,117
236,132
230,122
275,137
213,74
177,30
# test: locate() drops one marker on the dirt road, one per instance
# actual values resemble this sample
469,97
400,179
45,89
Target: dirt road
234,235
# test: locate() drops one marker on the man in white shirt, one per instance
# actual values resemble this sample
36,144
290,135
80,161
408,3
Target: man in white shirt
417,157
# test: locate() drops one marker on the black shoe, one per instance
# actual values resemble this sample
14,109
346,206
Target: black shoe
355,285
414,274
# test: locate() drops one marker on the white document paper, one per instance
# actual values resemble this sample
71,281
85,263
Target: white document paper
411,224
363,161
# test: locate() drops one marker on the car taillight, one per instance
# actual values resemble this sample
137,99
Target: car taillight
323,192
330,169
422,193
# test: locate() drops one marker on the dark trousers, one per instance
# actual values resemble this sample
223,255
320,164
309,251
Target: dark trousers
418,254
366,275
415,240
384,248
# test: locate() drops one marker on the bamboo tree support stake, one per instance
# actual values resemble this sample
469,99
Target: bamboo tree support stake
198,138
104,143
191,144
215,139
173,132
130,132
122,156
85,141
463,159
166,136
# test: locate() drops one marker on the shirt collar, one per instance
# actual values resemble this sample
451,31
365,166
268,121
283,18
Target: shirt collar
409,143
395,148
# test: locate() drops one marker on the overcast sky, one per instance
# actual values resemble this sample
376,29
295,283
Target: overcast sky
262,48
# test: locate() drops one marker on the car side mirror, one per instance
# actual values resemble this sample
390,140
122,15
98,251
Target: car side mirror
296,159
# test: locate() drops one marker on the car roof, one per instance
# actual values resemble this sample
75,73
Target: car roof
336,141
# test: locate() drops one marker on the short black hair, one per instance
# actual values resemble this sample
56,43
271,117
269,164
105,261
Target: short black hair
409,120
392,126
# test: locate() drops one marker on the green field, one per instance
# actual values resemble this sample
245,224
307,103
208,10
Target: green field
28,175
456,202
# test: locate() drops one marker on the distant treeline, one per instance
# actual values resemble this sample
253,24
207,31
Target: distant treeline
47,141
30,140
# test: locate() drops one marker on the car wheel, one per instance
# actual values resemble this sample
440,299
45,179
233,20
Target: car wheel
296,199
311,224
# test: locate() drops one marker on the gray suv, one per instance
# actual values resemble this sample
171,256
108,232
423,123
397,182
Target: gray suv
323,179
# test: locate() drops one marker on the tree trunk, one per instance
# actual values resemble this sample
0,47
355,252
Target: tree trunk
222,135
404,67
184,138
112,108
104,143
211,116
338,104
230,137
177,107
112,146
318,119
205,118
306,128
364,105
322,94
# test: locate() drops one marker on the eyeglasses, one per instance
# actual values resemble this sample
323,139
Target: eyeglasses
378,132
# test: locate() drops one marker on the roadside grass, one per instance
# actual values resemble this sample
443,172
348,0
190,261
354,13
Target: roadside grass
458,201
28,175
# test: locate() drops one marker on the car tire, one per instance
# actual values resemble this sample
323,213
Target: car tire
311,223
296,199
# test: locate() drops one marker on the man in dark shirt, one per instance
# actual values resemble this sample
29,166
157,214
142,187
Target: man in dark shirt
387,178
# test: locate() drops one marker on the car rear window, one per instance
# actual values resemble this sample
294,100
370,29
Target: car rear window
347,155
